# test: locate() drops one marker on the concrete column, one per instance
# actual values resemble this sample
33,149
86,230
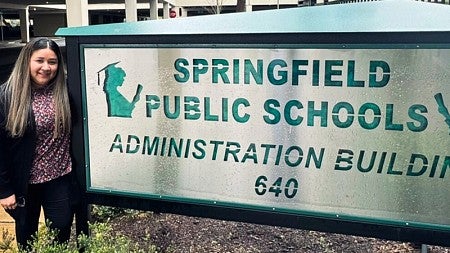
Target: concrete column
77,13
24,15
131,11
166,10
183,12
248,6
153,9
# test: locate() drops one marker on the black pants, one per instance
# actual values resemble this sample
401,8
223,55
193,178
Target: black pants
53,197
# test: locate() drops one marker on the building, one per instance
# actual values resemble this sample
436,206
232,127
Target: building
22,19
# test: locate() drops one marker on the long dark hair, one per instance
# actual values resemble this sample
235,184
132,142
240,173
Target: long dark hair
18,91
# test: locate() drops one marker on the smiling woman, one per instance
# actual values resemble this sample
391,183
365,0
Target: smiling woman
35,158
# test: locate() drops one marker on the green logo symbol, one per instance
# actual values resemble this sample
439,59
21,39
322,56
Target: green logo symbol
442,109
118,105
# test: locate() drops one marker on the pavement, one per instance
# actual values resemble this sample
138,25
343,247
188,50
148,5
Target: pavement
7,224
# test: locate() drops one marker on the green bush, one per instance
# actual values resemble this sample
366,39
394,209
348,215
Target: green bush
6,244
101,240
104,213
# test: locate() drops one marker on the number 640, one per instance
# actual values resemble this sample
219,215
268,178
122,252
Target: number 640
290,188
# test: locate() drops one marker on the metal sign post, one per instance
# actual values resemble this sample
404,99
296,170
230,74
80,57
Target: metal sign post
1,24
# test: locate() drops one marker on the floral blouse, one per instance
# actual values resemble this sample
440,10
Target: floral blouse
52,156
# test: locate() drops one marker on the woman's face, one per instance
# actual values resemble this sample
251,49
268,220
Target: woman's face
43,66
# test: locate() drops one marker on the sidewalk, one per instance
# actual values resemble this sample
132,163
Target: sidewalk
7,223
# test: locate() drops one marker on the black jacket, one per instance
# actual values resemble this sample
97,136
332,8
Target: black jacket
16,156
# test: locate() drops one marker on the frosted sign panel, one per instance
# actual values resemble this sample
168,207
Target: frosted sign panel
359,133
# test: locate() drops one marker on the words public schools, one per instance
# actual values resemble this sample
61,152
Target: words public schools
293,112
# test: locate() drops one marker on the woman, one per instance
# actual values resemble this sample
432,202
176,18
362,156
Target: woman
35,124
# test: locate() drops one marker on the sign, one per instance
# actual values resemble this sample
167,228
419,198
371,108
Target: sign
362,134
172,14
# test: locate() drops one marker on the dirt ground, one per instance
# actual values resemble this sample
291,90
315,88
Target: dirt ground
181,234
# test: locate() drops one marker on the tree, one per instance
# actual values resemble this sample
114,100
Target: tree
215,6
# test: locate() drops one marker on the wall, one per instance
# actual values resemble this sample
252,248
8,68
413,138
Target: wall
47,24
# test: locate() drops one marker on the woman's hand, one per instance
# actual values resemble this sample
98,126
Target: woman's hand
9,203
